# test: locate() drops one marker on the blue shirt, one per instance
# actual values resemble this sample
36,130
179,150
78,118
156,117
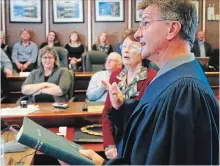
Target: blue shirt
24,54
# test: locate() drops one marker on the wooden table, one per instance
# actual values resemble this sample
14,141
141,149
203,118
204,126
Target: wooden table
48,116
16,157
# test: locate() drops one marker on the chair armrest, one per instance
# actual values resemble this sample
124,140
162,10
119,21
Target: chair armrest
3,99
72,99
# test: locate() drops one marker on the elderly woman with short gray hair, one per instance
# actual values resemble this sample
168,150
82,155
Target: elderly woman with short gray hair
48,81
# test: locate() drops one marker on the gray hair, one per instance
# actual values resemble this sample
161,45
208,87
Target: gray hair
118,56
53,52
177,10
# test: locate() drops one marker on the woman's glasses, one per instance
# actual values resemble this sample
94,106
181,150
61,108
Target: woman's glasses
134,47
45,57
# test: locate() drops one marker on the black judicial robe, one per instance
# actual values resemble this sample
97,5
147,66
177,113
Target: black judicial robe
176,122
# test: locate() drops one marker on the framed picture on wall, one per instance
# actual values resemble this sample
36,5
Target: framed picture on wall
23,11
137,14
109,11
68,11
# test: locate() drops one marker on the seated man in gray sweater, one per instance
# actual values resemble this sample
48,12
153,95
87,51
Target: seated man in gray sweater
95,91
24,53
5,65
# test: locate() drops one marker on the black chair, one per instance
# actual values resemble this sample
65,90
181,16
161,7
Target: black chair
214,60
49,98
94,60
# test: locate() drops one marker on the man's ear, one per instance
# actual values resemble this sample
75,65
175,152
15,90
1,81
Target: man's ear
173,30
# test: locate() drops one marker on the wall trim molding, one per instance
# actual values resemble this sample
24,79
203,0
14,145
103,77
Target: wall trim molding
203,14
129,14
47,13
89,27
3,17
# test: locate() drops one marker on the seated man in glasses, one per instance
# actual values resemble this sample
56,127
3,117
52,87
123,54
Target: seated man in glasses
96,92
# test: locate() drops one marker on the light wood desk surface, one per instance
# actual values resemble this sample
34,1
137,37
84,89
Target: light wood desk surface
29,153
48,116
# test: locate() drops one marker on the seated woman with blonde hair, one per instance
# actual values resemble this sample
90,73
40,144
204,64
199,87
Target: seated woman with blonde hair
102,44
49,82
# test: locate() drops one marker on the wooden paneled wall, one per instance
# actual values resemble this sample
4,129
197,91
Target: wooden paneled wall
115,29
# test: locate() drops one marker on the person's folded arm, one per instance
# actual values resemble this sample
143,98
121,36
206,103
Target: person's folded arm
95,90
95,93
29,88
63,87
54,90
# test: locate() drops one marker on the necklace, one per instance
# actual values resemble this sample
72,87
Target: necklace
87,129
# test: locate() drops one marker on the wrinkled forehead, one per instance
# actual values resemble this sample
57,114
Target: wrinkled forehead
151,12
112,56
129,41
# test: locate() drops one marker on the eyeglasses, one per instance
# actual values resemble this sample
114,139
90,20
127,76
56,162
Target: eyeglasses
49,58
134,47
145,24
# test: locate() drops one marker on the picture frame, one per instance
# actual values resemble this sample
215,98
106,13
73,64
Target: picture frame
137,15
68,11
109,11
23,11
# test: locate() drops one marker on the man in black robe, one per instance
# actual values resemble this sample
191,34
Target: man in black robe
177,120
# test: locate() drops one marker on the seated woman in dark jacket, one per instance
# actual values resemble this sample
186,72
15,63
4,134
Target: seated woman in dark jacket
131,82
51,40
49,79
75,50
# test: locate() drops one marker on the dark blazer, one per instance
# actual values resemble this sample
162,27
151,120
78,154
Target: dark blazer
196,50
57,44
